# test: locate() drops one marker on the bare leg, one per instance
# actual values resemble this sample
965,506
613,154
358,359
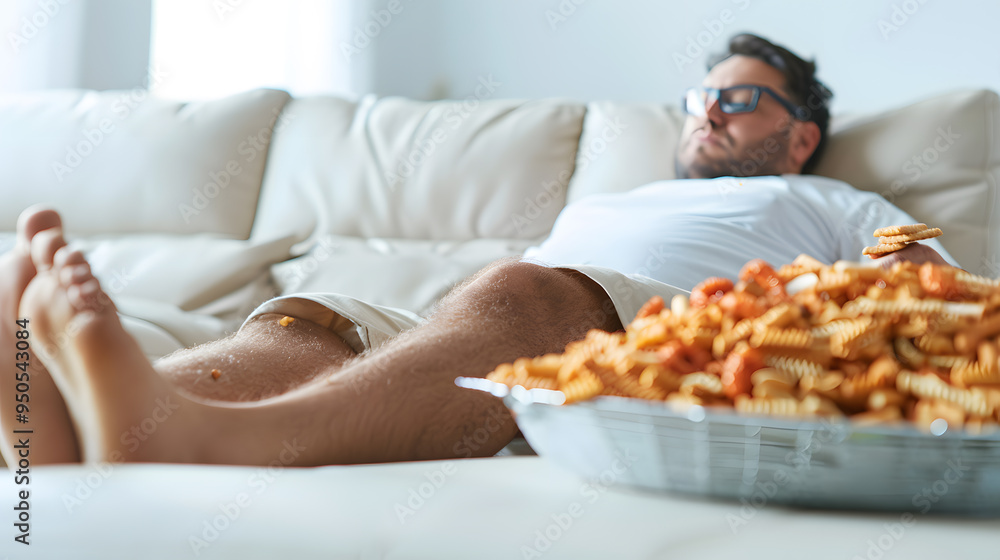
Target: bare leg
399,403
261,361
52,439
264,359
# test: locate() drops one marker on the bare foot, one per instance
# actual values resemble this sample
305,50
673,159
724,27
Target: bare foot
122,410
51,438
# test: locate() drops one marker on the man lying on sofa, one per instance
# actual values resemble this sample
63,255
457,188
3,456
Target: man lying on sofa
290,385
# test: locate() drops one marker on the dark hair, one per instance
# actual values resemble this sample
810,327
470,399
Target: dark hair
801,84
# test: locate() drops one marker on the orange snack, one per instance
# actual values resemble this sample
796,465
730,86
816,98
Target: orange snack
896,238
710,290
911,342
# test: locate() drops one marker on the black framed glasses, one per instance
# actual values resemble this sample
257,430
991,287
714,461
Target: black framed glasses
735,100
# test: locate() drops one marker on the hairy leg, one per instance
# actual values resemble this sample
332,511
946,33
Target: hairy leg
398,403
507,311
262,360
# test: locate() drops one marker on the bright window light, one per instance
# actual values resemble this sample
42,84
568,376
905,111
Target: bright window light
209,49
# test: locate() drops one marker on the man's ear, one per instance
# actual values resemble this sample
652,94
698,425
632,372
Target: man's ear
805,138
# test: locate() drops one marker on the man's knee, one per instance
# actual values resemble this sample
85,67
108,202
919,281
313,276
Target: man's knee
544,292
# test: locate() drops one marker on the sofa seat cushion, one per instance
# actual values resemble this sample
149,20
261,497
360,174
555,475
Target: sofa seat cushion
404,273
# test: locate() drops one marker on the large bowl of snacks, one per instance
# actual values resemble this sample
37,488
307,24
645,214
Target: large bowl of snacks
844,386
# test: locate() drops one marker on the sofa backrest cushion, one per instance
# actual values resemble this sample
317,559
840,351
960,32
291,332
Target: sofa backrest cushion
121,162
403,169
939,160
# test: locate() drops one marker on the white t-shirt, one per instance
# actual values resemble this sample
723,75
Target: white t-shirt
683,231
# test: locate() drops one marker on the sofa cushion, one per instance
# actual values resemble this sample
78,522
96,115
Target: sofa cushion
119,162
186,271
405,169
405,273
641,154
938,160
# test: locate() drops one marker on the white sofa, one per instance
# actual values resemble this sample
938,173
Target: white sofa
192,214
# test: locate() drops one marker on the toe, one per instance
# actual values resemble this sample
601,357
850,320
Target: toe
33,220
68,257
44,246
74,274
85,295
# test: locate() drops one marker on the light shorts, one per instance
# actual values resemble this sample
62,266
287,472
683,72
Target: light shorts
365,326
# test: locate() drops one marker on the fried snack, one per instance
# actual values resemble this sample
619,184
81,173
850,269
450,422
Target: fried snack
285,321
899,230
883,249
908,343
896,238
911,237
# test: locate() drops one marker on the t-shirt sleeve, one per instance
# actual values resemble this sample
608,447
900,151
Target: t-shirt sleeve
868,212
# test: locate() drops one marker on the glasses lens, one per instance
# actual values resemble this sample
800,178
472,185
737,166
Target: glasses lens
694,102
737,100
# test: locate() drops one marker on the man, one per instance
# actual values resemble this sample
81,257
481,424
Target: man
321,390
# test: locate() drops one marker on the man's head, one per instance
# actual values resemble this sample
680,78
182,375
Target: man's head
785,131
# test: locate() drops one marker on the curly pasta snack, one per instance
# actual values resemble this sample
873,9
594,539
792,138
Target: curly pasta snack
909,343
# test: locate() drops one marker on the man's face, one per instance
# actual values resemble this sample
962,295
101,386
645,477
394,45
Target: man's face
743,144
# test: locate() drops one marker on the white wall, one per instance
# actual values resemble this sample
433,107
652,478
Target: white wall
429,49
624,49
94,44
